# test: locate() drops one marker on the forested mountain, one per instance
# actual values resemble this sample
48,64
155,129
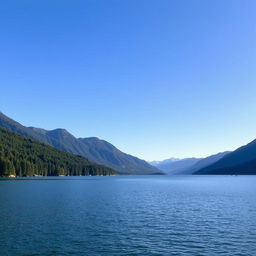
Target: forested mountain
240,161
21,156
96,150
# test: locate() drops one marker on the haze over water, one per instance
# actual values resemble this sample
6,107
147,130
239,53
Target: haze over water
128,215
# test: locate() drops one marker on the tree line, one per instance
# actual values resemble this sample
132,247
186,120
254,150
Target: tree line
20,156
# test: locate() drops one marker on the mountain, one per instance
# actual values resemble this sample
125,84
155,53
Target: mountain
204,163
96,150
187,165
170,160
20,156
175,166
240,161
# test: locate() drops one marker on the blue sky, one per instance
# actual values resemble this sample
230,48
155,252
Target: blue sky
157,79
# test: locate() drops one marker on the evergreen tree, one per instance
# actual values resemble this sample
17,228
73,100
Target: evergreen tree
23,157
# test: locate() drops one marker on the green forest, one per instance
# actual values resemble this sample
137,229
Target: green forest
20,156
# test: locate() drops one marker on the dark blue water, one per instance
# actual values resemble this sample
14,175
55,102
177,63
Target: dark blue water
136,215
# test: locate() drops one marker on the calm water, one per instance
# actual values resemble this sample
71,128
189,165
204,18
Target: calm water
143,215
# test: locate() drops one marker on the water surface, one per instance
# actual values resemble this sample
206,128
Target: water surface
128,215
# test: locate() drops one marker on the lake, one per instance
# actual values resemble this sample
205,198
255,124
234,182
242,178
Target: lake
128,215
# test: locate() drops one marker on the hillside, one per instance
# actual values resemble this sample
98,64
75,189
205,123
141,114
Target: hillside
96,150
21,156
240,161
204,163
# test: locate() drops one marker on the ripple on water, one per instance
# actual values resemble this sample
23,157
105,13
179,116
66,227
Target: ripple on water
186,215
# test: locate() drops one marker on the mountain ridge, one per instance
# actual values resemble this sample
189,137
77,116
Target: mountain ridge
187,165
242,158
204,162
174,166
21,156
93,148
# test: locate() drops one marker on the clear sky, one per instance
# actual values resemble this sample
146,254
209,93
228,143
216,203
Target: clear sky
156,78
